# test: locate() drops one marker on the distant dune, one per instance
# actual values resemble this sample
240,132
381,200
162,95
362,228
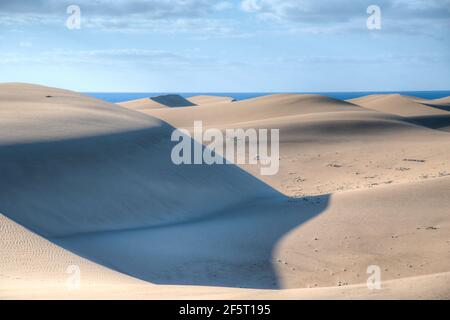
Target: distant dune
142,104
256,109
166,101
89,183
208,100
173,101
431,113
442,101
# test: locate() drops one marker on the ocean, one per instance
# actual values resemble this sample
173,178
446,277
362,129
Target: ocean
125,96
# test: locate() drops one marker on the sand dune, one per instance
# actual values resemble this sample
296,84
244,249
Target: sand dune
395,104
261,108
272,244
62,160
173,101
31,266
34,268
327,146
159,102
441,101
360,184
334,152
430,113
142,104
327,258
208,100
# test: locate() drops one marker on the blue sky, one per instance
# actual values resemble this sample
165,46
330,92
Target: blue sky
227,46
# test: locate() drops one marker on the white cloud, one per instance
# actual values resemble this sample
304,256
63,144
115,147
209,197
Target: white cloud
150,16
151,8
205,18
103,56
331,10
349,15
156,59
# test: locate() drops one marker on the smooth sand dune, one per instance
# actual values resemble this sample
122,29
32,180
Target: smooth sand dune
208,100
399,105
34,268
260,108
291,243
442,104
142,104
173,101
331,148
356,187
159,102
31,266
434,114
396,104
103,164
313,254
441,101
333,152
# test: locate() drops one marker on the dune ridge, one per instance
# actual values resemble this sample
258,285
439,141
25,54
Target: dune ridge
359,184
210,100
159,102
434,114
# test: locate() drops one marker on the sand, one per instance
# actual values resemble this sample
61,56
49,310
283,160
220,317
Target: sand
89,183
160,102
210,100
141,104
430,113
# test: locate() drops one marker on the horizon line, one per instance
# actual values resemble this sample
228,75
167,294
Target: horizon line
268,92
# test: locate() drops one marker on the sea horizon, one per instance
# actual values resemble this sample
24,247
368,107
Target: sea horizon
344,95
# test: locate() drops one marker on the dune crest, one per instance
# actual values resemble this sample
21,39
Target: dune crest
70,158
433,114
255,109
159,102
208,100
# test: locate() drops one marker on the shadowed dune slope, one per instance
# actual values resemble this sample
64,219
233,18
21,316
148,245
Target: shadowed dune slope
434,114
396,104
289,245
442,104
441,101
173,101
73,165
356,187
159,102
251,247
34,268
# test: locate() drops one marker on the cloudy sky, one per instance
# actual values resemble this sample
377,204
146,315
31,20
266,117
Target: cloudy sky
230,45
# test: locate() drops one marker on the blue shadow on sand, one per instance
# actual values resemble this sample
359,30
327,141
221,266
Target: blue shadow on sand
118,200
